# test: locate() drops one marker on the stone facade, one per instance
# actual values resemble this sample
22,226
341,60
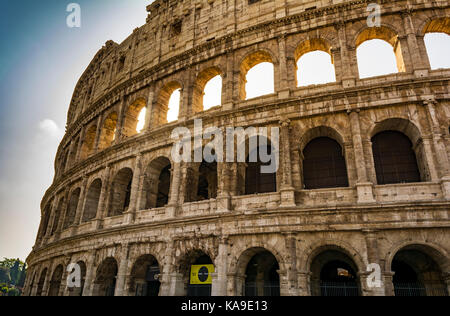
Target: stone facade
102,161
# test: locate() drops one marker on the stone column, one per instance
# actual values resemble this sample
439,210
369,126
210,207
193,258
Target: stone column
98,133
120,120
122,273
224,170
90,275
219,285
167,269
429,157
174,198
439,148
363,186
291,275
388,284
229,95
419,62
287,191
131,213
102,204
283,86
303,283
348,59
373,258
148,114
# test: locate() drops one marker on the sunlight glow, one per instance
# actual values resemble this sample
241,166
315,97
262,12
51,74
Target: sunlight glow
315,68
141,120
260,80
174,106
213,93
376,58
438,48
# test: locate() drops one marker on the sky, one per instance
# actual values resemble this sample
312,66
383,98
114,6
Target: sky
41,61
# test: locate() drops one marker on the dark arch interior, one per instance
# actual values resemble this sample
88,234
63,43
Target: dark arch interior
256,181
417,274
72,208
121,192
334,274
395,159
144,277
156,186
324,165
105,282
262,277
55,283
92,200
40,284
78,291
199,289
207,181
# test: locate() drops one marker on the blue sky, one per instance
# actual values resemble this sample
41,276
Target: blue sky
41,60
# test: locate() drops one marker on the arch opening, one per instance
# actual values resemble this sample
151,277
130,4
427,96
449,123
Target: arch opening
395,159
71,210
120,193
417,274
41,282
134,121
438,49
92,201
156,188
314,62
207,90
108,131
78,291
333,273
257,76
58,212
167,107
55,283
324,164
105,280
374,45
89,142
144,279
261,274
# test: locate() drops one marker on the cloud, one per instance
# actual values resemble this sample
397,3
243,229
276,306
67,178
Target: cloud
49,128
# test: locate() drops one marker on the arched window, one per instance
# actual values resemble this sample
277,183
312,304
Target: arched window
379,52
437,42
156,184
89,142
261,275
144,277
314,63
333,273
46,219
395,159
258,180
105,280
58,213
92,200
120,192
174,106
198,268
257,76
72,208
167,106
40,285
108,131
324,165
207,90
78,291
207,181
55,283
417,274
134,121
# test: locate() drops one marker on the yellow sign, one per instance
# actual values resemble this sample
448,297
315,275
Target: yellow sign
201,274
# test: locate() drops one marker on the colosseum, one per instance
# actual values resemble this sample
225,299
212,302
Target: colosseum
359,205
